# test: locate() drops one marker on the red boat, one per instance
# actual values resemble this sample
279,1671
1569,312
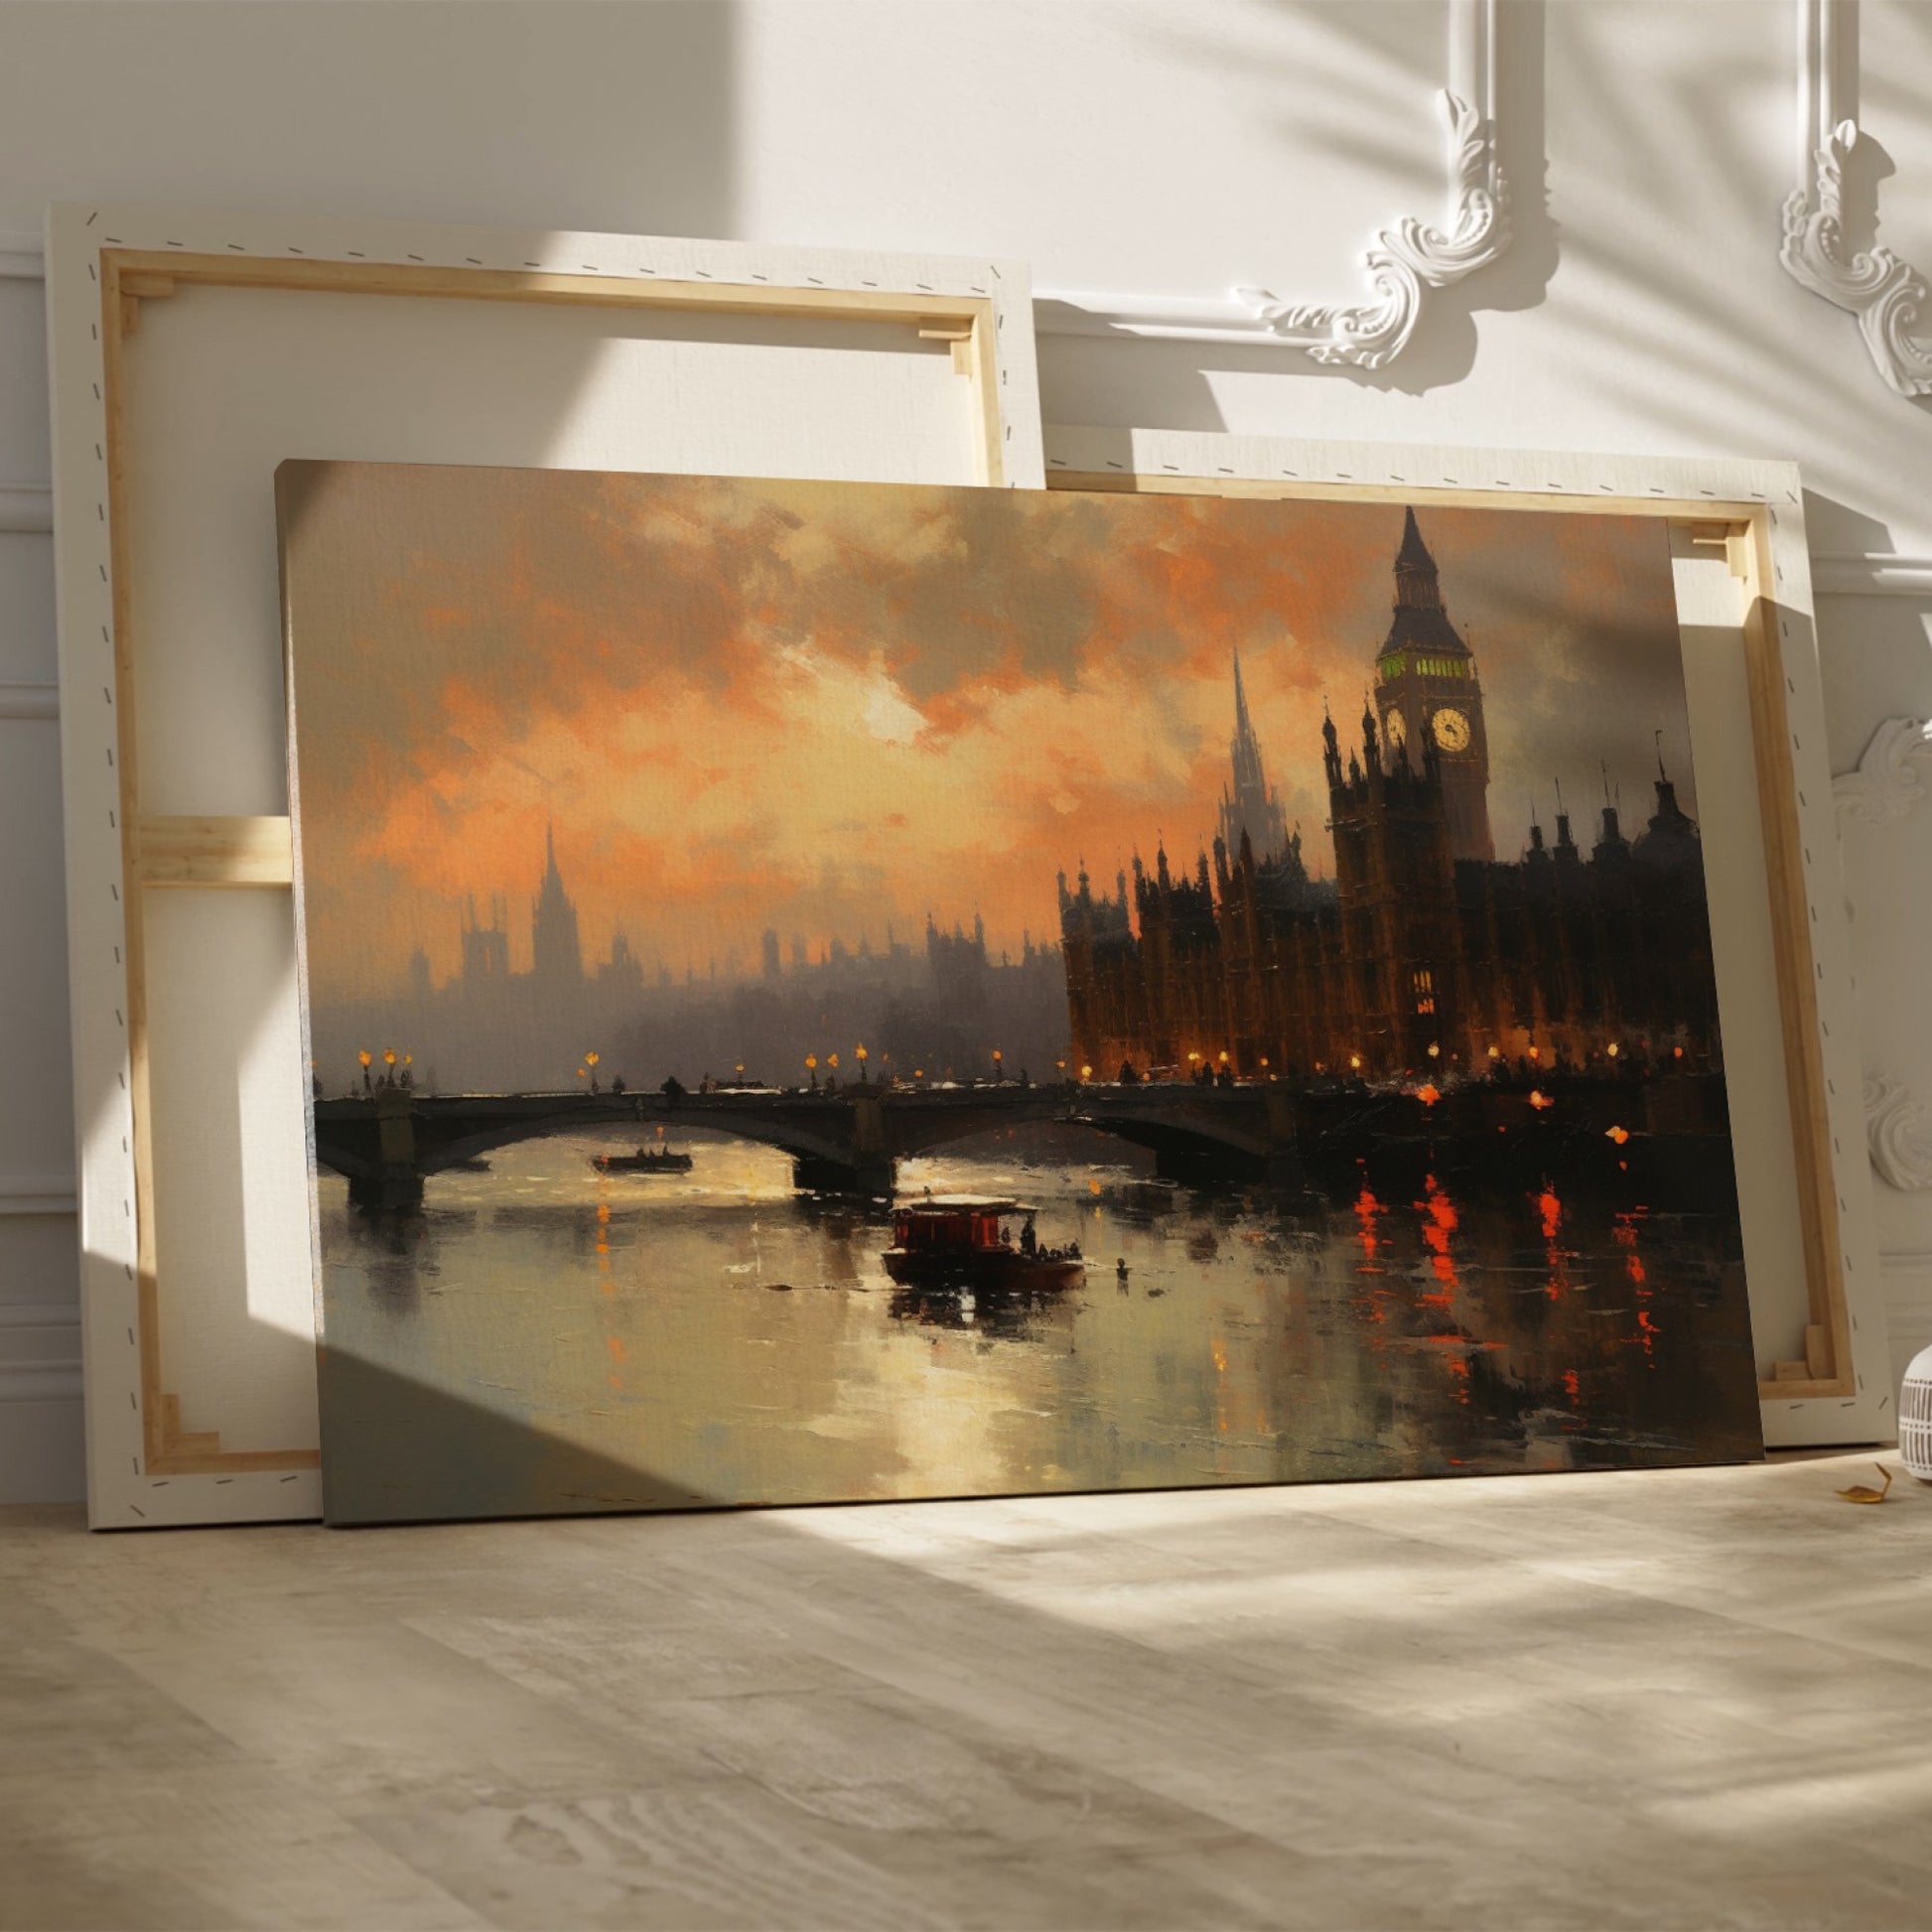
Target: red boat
962,1241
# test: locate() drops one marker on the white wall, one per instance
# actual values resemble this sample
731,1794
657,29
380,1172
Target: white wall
1120,145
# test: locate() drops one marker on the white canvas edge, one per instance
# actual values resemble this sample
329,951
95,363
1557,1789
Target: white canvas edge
120,1493
1867,1416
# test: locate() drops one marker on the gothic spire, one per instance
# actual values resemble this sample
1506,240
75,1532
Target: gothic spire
1421,621
1416,583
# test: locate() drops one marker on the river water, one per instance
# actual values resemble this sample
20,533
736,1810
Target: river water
544,1337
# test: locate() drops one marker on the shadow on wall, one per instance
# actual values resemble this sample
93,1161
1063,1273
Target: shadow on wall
1443,348
382,111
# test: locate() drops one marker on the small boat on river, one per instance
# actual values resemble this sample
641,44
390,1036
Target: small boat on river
964,1241
657,1160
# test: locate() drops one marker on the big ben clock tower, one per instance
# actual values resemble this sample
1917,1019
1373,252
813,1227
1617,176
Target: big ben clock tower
1427,695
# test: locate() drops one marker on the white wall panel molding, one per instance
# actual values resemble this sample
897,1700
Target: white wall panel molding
1898,1131
21,257
1405,263
36,1194
1887,784
25,507
1870,573
1886,293
29,701
1885,789
40,1351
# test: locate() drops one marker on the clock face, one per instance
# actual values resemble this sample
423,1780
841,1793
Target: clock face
1452,729
1395,731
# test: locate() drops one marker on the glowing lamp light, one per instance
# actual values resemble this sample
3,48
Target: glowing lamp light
831,1059
1263,1062
1087,1073
1496,1053
409,1059
582,1073
1354,1062
918,1073
1429,1093
388,1057
1536,1052
365,1056
1618,1134
1435,1051
811,1063
590,1060
1677,1053
1539,1099
1612,1050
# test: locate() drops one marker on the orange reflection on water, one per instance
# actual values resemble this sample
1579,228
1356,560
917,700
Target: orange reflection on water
1367,1211
1549,1209
1624,1234
1440,1220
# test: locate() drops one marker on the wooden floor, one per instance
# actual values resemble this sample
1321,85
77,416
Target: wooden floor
1689,1699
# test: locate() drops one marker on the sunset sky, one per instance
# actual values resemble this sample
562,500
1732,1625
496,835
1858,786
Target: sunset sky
827,707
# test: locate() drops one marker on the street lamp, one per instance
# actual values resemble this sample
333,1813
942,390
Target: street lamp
590,1060
1087,1073
811,1067
862,1056
364,1057
1434,1050
997,1068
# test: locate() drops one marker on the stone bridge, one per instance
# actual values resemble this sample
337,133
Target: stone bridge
847,1139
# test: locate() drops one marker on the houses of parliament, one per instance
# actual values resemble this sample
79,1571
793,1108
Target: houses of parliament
1424,953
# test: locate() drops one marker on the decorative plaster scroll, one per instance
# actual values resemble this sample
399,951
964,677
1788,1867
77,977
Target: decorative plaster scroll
1888,296
1404,262
1898,1131
1887,784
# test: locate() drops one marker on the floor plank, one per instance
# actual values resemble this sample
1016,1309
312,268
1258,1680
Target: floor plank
1671,1697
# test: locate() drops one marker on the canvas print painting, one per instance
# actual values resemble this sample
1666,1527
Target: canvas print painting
825,991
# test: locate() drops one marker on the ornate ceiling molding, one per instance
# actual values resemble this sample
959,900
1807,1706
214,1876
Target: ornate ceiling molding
1887,784
1887,295
1898,1131
1406,262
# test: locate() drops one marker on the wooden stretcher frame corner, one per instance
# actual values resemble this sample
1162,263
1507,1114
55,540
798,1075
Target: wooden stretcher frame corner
147,1465
1828,1379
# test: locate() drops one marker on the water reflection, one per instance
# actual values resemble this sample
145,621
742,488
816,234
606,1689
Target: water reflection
742,1344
